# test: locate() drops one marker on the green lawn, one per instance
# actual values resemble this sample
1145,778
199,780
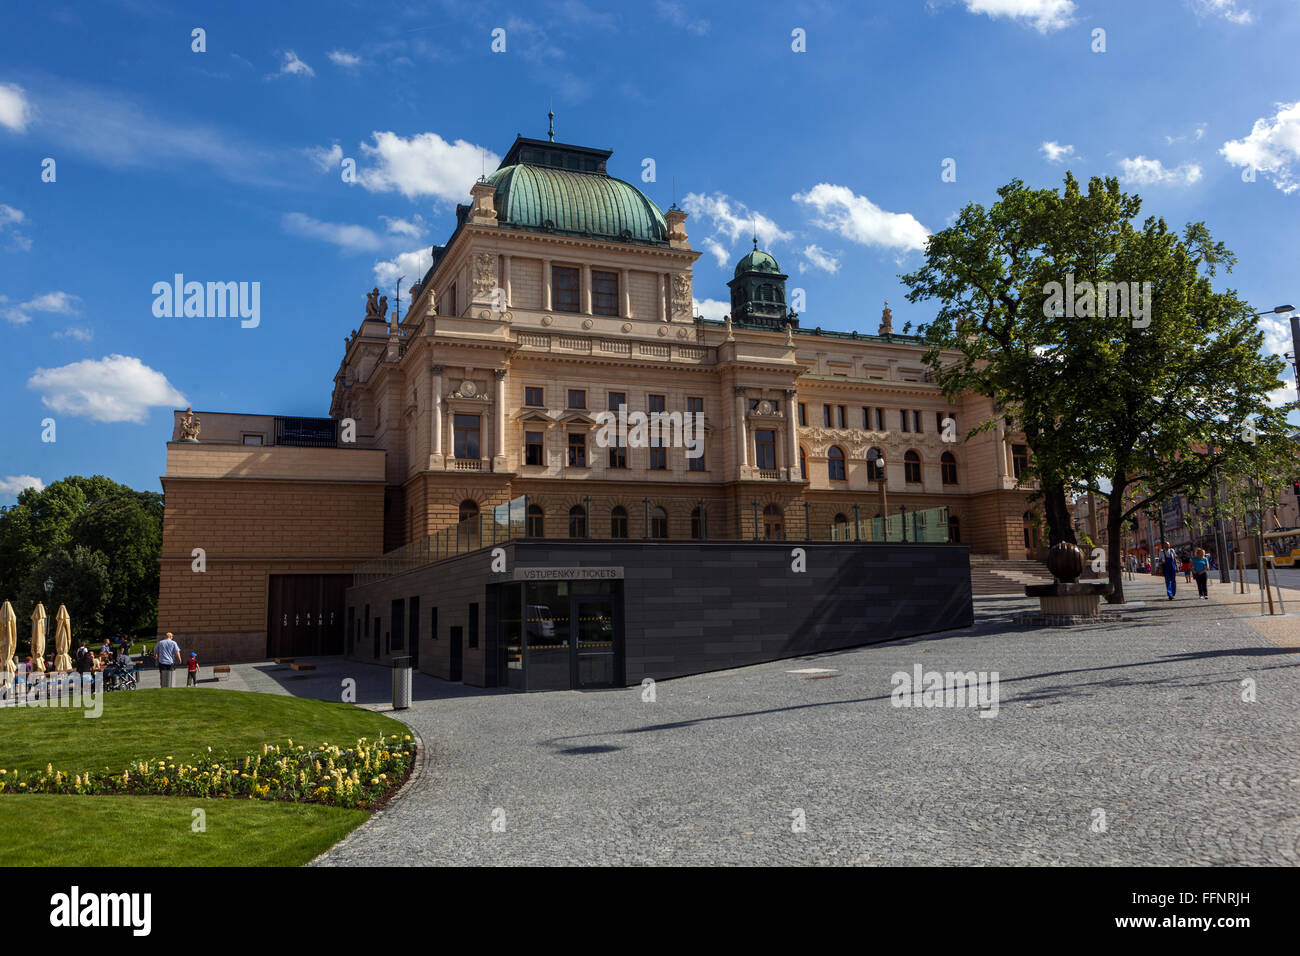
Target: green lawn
159,722
157,831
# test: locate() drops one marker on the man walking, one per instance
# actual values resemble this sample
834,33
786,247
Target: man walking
1169,567
168,653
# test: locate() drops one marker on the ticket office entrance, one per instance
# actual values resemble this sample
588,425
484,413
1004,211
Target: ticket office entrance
560,635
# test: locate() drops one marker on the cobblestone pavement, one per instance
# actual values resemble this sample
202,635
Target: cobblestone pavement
1140,720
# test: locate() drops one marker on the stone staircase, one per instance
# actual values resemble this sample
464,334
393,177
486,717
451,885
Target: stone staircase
990,574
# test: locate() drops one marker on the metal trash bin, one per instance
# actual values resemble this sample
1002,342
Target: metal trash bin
401,683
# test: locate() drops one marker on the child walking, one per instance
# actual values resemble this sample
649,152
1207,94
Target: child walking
192,677
1200,571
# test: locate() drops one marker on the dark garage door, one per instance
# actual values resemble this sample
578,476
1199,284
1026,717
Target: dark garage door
305,614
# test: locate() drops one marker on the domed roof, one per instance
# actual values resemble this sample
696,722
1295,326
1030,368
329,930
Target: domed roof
757,261
570,202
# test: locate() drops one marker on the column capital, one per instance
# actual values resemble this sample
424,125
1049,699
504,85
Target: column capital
500,373
740,389
791,392
437,369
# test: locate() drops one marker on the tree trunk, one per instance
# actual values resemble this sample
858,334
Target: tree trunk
1057,512
1114,548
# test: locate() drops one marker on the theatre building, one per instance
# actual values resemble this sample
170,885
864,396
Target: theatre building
476,419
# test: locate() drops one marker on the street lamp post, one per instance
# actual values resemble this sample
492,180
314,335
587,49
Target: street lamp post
49,589
882,480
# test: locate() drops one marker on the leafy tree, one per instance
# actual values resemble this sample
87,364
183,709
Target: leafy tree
127,531
81,583
1134,405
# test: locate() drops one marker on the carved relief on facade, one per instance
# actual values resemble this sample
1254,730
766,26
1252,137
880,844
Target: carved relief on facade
469,390
682,293
485,274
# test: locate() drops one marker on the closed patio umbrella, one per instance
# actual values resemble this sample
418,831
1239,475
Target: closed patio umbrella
62,639
38,638
8,641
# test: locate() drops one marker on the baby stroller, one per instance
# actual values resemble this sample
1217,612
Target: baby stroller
120,674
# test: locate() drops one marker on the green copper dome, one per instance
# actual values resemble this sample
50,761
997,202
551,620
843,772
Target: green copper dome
757,261
576,203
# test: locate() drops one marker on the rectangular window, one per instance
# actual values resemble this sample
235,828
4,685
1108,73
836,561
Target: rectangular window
604,293
1019,459
617,456
938,421
577,398
616,399
695,405
880,419
447,303
533,397
826,415
533,449
866,419
577,450
843,419
697,463
903,422
916,422
466,436
433,623
252,439
765,449
655,403
473,625
659,459
414,605
803,414
564,289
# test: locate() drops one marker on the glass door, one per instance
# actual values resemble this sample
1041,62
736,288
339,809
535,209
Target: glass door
593,647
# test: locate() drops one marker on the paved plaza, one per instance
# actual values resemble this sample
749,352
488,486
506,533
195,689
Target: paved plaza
1121,743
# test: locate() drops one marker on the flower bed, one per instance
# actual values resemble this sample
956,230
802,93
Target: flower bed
358,776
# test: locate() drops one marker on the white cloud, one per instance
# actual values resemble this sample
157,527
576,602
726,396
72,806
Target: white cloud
1277,333
346,236
1055,152
410,265
859,219
818,258
61,303
1273,147
293,65
72,332
404,227
720,252
116,388
344,58
1227,9
424,165
711,308
1196,135
1043,15
327,159
15,111
676,14
10,219
731,220
1140,171
13,484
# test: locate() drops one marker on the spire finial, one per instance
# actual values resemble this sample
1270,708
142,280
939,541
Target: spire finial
550,117
756,242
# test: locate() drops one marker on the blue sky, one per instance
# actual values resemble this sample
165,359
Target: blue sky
224,165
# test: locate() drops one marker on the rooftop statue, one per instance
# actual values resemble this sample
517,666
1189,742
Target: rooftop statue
190,426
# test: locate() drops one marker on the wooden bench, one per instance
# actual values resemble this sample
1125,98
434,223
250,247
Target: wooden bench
302,667
222,671
284,660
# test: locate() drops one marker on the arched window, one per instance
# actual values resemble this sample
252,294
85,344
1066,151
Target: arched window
658,523
835,463
577,522
697,524
468,509
912,468
874,471
536,519
948,465
618,522
803,464
773,529
954,529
